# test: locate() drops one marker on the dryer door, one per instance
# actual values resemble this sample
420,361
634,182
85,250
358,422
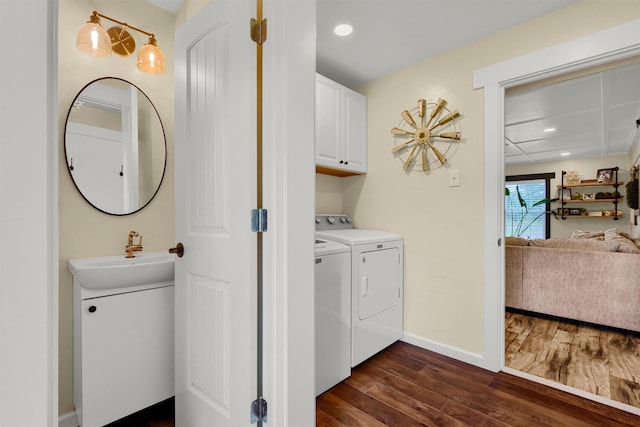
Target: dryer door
380,279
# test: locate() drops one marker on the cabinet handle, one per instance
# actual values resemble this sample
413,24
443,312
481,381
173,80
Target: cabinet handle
92,309
346,163
341,162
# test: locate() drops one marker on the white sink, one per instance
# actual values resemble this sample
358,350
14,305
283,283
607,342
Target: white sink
112,272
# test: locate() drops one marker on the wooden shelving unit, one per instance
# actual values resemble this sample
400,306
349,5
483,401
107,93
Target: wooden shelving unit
615,184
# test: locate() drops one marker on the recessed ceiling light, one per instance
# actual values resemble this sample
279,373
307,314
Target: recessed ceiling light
565,154
343,30
549,130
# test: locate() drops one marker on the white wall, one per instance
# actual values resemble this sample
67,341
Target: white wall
85,231
587,169
28,318
442,225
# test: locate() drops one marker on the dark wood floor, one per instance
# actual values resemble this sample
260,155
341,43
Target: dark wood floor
408,386
160,415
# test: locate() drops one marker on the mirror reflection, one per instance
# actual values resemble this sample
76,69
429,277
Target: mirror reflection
115,146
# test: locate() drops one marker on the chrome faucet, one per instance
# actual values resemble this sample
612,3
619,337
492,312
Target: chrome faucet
131,248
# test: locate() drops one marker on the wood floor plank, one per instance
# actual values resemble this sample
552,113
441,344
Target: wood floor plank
588,368
416,409
344,413
478,397
374,408
439,361
561,404
625,391
367,376
624,356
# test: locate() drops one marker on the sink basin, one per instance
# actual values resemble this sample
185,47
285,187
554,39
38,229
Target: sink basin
113,272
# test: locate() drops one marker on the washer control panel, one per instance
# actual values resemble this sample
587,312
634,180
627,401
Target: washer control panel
333,222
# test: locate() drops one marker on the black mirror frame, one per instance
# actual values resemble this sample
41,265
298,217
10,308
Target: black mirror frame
164,135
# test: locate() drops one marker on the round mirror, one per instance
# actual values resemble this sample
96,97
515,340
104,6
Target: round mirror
115,146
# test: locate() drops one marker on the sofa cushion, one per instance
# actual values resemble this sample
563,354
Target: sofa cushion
627,243
579,244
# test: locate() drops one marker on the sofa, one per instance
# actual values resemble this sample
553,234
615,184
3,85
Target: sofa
590,277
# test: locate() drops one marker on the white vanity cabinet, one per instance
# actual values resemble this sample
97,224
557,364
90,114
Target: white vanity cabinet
123,350
341,129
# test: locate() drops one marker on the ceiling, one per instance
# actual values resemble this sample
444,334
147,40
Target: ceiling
392,34
593,115
170,5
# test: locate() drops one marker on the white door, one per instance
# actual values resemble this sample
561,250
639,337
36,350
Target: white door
215,301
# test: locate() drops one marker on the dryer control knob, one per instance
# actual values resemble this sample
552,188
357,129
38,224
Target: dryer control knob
348,220
331,220
317,220
343,220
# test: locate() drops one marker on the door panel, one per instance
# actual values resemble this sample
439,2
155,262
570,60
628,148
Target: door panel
215,190
379,286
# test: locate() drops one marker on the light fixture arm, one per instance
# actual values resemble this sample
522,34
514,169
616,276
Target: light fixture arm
124,24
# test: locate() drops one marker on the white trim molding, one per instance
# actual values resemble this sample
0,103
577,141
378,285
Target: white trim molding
445,350
70,419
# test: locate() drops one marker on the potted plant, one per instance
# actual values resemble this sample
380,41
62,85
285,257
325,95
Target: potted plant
519,223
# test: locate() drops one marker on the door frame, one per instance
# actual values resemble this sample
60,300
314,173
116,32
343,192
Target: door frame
598,48
289,196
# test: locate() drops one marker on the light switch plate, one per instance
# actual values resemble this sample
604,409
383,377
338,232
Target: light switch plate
454,178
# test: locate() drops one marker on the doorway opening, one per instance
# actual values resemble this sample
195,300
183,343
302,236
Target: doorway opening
610,45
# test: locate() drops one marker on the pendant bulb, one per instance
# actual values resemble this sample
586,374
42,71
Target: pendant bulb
150,58
93,39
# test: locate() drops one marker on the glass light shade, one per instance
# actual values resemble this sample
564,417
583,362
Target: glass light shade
93,39
151,59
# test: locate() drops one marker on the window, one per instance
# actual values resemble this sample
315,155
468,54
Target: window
530,222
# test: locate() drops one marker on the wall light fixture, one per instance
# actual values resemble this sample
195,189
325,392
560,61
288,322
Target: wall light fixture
94,40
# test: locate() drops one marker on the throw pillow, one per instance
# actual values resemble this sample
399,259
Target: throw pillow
594,235
627,243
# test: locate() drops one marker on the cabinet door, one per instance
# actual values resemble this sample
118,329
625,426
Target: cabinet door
328,122
354,131
127,353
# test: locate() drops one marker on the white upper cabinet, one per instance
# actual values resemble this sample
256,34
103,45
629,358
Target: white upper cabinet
341,129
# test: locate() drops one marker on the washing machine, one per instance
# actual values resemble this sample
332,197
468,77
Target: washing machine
377,282
332,314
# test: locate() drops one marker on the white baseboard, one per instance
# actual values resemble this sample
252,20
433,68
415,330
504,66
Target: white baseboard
446,350
68,420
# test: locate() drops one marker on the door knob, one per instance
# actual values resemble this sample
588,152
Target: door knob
178,250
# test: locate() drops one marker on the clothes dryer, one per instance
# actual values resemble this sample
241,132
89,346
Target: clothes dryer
377,282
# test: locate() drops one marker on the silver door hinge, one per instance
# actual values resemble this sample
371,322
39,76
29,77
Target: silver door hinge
258,220
259,410
258,31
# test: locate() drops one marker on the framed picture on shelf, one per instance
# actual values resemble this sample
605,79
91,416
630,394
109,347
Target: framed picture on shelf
605,176
564,193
